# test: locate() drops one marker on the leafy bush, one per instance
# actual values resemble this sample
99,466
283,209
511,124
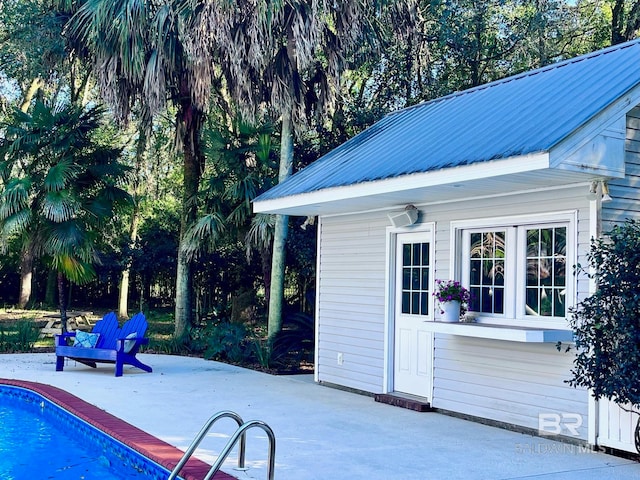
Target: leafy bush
607,323
222,340
261,352
19,336
295,341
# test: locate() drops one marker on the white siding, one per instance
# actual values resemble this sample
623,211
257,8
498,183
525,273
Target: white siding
625,192
506,381
503,381
616,426
351,286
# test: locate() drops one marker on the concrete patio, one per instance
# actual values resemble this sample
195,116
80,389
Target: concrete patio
322,433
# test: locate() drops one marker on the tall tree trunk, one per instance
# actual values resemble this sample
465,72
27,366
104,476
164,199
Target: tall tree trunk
26,275
617,22
276,296
36,84
62,300
188,126
123,296
265,261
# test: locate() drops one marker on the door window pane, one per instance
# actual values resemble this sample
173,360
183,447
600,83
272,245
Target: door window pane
415,279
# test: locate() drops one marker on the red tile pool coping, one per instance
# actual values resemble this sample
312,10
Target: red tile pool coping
142,442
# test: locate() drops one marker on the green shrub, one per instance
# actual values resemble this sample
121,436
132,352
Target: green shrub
295,342
222,340
261,352
19,336
607,323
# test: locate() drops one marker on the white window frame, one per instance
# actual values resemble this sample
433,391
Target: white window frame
515,263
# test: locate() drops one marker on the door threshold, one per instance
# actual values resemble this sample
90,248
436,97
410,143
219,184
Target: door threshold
404,400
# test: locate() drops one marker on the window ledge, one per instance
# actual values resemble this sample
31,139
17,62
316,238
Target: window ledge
501,332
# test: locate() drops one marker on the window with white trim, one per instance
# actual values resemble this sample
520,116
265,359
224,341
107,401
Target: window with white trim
517,271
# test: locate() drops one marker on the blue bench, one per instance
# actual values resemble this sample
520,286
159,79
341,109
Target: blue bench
114,344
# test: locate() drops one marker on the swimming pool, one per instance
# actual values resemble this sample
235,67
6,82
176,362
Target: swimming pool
41,440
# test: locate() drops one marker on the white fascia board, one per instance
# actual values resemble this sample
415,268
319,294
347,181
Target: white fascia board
476,171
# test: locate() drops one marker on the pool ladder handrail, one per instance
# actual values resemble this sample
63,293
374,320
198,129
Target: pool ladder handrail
240,434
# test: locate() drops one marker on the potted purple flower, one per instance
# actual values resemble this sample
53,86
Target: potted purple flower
453,299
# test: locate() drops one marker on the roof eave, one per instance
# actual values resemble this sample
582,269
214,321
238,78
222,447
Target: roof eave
315,203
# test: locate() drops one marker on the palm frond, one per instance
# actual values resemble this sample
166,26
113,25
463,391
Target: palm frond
66,238
17,222
203,235
60,175
15,197
59,206
260,234
74,269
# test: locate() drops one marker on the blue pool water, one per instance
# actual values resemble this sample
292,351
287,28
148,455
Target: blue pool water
41,441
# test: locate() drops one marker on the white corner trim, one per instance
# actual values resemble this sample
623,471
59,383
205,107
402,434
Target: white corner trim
316,372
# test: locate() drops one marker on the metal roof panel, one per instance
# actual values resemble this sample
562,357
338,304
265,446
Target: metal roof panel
519,115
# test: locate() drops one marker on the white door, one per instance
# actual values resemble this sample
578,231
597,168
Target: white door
412,371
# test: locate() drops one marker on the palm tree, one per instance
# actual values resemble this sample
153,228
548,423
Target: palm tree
140,53
59,187
285,57
240,167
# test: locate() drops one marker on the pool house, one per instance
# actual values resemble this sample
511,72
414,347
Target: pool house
500,187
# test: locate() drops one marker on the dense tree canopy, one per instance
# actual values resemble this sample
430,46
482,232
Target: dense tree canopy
59,188
199,80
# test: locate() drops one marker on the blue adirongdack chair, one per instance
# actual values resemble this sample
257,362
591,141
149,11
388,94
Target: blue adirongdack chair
106,343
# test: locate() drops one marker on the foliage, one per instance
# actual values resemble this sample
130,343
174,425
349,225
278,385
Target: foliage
59,187
295,342
607,323
19,336
625,20
261,351
146,61
154,254
31,46
240,166
221,340
451,291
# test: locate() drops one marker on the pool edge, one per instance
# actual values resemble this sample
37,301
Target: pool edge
163,453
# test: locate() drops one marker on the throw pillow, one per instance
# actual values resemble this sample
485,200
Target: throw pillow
128,343
86,340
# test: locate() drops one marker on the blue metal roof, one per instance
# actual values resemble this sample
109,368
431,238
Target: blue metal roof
523,114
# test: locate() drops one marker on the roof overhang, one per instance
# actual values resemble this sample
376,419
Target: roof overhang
495,177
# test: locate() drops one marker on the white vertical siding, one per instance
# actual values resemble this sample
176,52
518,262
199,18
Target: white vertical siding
351,310
625,192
